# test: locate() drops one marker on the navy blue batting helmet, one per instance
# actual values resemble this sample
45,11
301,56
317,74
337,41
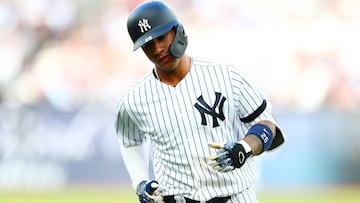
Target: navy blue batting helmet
152,19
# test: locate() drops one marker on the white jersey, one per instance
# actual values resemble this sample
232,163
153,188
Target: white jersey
208,105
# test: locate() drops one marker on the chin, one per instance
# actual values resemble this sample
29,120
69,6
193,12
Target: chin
168,67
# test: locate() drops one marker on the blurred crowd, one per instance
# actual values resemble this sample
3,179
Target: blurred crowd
65,63
71,53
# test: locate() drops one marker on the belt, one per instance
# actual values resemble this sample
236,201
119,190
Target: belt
171,199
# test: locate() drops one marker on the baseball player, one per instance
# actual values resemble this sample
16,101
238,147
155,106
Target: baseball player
205,123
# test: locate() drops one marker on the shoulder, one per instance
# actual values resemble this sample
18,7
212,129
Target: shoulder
215,65
196,61
136,88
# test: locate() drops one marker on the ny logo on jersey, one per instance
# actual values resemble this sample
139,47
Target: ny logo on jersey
205,108
144,25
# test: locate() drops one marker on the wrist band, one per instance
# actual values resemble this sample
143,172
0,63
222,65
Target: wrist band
264,133
246,146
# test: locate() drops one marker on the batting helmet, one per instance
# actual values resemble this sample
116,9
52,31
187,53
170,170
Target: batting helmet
152,19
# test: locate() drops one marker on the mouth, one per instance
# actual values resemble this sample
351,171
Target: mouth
164,58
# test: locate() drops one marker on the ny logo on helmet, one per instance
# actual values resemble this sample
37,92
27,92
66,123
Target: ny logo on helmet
144,25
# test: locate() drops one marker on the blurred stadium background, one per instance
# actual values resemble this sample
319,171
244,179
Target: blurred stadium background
65,63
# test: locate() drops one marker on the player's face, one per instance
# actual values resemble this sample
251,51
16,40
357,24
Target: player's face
157,51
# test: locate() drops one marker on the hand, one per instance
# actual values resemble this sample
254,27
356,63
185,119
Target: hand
229,156
145,191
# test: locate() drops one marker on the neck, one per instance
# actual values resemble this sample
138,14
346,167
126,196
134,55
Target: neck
173,77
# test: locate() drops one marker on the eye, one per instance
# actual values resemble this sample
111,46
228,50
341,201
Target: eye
149,45
161,37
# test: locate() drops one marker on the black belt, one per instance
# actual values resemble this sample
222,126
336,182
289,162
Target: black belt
171,199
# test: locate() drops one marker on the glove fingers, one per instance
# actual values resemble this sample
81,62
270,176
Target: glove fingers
226,169
220,162
221,154
223,166
223,169
212,163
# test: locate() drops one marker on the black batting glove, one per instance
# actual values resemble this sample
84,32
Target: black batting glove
145,191
229,156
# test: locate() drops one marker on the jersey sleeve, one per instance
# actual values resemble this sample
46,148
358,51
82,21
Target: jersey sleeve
126,128
252,106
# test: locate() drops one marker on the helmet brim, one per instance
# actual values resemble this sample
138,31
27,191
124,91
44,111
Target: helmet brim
153,34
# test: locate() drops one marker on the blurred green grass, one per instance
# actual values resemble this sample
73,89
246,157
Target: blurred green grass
122,194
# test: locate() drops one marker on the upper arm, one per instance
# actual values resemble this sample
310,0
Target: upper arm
254,108
126,128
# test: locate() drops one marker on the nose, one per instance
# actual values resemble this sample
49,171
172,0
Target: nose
159,46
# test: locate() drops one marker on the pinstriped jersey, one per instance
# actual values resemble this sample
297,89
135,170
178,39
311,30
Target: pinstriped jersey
206,106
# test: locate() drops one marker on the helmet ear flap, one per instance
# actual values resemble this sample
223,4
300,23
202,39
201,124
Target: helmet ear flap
177,48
